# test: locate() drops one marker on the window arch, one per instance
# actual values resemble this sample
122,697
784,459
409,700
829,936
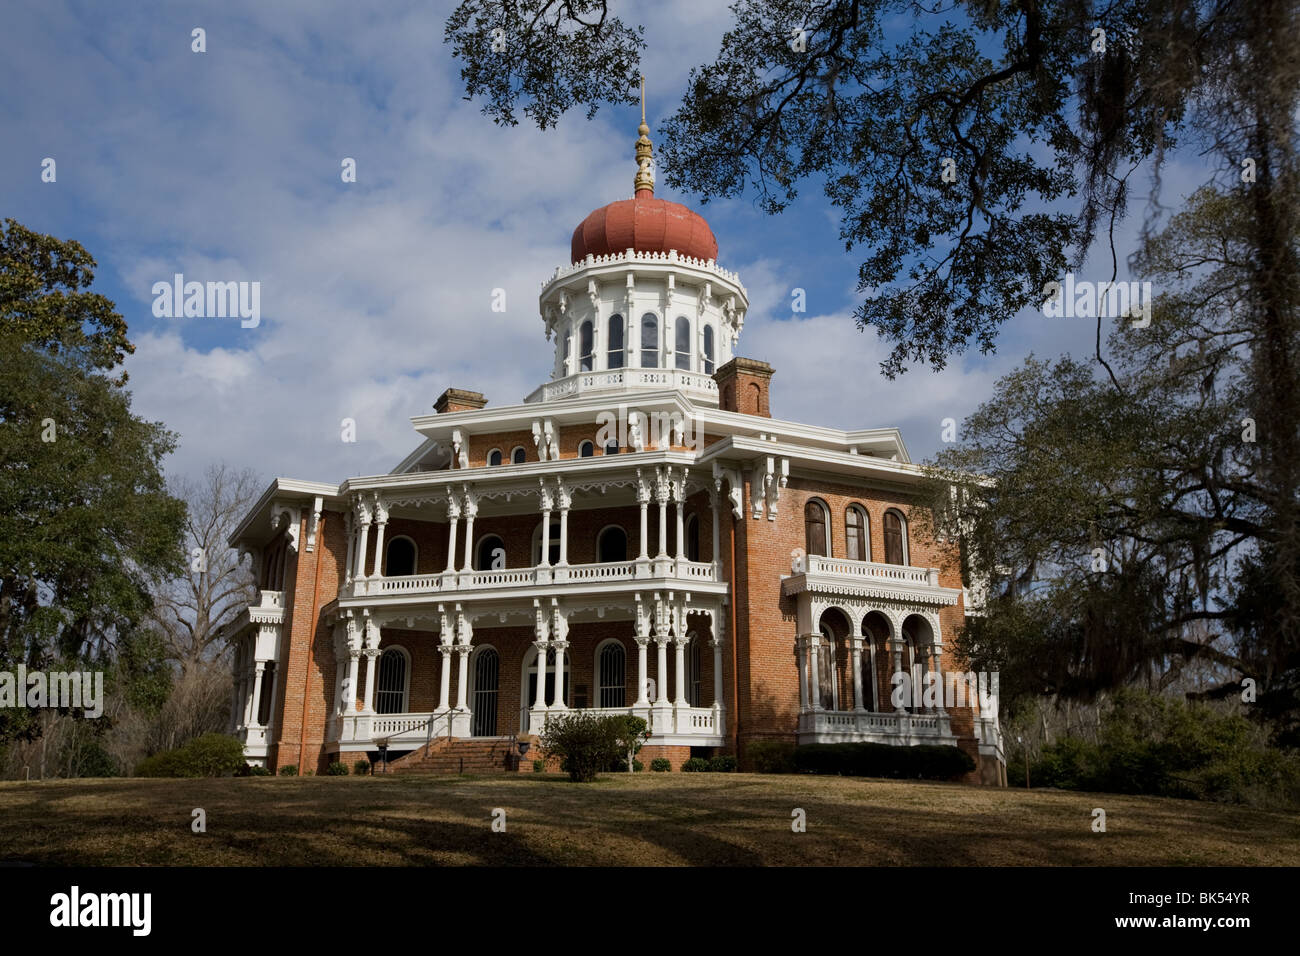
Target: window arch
615,341
394,681
649,340
857,545
554,554
611,674
586,449
895,528
708,350
399,557
495,457
611,545
586,335
485,556
816,522
693,538
682,343
519,455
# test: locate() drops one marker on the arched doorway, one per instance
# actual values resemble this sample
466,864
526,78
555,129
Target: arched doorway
875,658
487,683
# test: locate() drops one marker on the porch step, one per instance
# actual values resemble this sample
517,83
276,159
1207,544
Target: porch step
467,755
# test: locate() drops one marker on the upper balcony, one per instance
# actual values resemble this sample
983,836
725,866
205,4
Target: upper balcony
869,579
697,384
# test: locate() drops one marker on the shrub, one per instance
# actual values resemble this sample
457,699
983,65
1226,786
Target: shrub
661,765
539,766
770,756
722,763
631,731
361,768
620,766
289,770
585,743
337,769
252,770
925,761
695,765
212,755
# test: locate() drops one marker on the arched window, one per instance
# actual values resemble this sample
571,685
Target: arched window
895,538
495,457
554,554
490,555
856,541
487,682
390,692
708,350
649,340
399,557
693,538
615,341
611,675
586,449
519,455
816,521
682,343
585,356
827,669
611,545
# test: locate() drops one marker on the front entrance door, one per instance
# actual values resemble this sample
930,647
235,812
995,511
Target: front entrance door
487,673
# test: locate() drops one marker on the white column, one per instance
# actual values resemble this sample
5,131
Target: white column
801,661
545,561
361,546
855,645
354,668
716,644
713,507
898,667
539,702
814,673
350,533
471,509
372,665
248,701
661,494
662,669
564,536
681,671
936,651
645,526
444,678
558,702
453,520
680,497
642,671
379,549
462,684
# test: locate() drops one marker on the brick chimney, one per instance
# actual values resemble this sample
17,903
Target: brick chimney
743,384
458,400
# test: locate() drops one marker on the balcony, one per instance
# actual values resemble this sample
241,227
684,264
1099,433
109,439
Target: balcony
572,576
870,579
582,383
847,726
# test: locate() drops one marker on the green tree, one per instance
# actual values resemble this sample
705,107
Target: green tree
86,522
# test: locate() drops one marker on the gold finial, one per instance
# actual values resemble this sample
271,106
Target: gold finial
645,161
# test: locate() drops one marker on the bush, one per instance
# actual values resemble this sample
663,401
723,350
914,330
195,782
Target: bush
539,766
252,770
337,769
361,768
212,755
770,756
695,765
722,763
923,762
289,770
620,766
585,743
661,765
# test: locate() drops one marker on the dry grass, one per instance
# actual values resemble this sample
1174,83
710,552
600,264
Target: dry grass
649,819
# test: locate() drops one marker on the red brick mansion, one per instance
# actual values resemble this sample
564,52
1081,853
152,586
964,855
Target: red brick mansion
639,535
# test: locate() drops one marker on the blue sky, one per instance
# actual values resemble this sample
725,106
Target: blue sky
376,295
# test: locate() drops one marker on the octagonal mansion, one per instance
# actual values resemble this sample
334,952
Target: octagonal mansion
638,535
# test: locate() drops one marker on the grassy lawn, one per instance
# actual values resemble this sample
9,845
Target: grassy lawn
648,819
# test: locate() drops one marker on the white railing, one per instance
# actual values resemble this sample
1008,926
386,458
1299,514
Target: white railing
905,727
622,377
873,570
453,581
655,258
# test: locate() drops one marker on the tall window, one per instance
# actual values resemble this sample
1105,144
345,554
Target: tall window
585,336
649,340
495,457
400,557
815,528
708,350
487,678
895,538
693,538
612,545
612,673
827,671
519,455
490,554
855,533
586,450
616,341
390,695
682,343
